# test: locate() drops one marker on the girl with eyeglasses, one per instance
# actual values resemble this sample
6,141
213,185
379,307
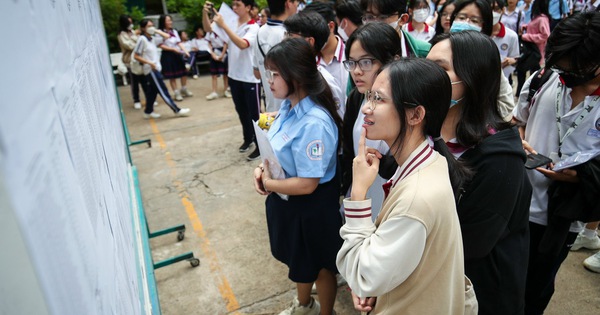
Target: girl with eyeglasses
303,230
410,260
367,50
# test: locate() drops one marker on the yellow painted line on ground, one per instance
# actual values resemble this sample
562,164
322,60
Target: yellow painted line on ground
213,262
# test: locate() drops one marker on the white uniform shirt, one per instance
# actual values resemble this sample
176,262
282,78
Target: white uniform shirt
427,33
337,70
201,44
147,49
268,36
511,19
215,41
337,92
543,135
240,60
508,46
171,42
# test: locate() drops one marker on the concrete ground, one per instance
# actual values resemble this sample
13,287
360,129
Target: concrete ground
194,175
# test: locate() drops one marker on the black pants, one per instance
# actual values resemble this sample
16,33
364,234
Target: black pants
153,85
542,271
247,105
134,82
554,22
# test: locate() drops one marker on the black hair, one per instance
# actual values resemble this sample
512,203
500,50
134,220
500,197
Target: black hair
500,3
267,12
378,39
309,24
476,62
325,9
162,21
387,7
484,8
576,39
144,22
538,8
248,2
303,74
414,3
277,7
438,24
124,22
198,27
349,9
405,89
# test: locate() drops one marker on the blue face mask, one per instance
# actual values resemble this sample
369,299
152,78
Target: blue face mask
459,26
455,102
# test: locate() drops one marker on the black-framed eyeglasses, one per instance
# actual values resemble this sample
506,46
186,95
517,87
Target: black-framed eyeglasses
371,17
365,64
271,75
461,17
374,98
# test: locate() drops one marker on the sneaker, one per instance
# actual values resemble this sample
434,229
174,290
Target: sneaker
155,103
245,146
195,77
227,93
585,242
178,96
592,263
255,155
137,105
186,93
314,308
151,115
212,96
183,112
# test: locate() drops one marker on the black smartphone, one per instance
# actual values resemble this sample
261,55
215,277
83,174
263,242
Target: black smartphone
536,160
212,12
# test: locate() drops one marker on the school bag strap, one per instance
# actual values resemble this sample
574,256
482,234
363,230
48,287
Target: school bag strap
540,77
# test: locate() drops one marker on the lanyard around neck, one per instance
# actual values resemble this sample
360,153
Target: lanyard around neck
586,110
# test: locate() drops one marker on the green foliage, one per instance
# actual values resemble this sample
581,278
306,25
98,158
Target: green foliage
111,11
191,10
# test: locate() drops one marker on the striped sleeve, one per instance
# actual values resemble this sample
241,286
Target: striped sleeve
358,213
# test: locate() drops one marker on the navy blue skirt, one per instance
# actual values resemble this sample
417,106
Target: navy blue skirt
304,231
173,65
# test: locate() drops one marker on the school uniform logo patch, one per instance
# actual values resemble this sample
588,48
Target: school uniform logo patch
315,150
504,46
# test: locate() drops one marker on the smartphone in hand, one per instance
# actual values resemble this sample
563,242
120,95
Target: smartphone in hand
536,160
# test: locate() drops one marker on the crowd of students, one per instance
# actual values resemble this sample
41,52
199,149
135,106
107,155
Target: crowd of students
406,110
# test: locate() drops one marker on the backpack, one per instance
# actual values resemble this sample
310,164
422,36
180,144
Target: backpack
540,77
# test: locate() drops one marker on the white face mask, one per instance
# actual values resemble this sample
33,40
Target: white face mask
342,33
151,30
420,15
496,17
130,27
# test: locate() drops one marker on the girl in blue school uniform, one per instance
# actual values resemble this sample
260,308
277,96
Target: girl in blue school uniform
304,230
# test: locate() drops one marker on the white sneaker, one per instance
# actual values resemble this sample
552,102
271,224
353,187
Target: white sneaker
151,115
186,93
137,105
178,96
227,93
183,112
314,308
212,96
585,242
195,77
155,103
592,263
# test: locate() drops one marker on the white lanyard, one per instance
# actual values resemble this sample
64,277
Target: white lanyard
586,110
